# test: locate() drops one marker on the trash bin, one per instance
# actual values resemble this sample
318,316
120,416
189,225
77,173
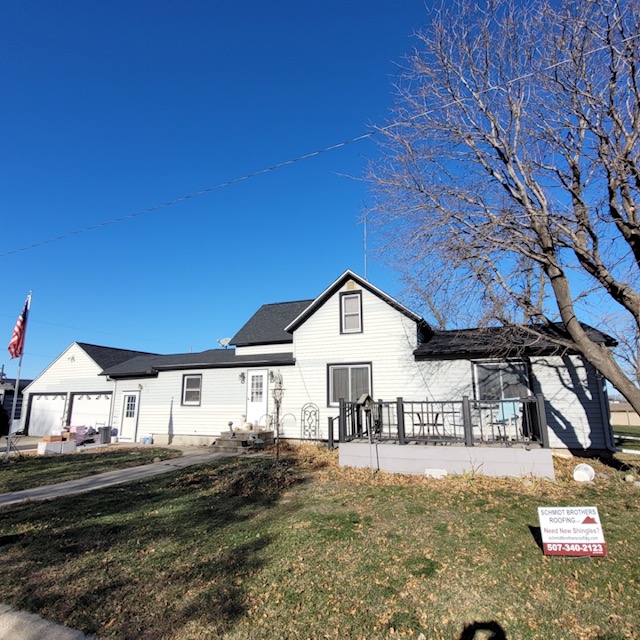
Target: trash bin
105,435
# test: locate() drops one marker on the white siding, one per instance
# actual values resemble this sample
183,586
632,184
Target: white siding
161,410
72,372
387,342
258,350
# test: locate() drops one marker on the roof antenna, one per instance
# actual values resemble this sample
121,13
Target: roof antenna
224,342
364,240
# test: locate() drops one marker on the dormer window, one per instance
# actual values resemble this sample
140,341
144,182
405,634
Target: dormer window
351,312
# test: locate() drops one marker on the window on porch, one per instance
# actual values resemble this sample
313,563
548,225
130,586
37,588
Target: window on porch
501,381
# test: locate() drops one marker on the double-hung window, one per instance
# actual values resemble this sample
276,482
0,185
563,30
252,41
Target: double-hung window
191,389
351,312
348,381
501,381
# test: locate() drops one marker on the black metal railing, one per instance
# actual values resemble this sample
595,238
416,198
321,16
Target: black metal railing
468,422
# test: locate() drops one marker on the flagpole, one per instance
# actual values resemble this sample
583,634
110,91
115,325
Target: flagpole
13,411
16,390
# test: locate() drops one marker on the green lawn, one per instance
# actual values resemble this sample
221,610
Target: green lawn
35,471
628,430
243,548
620,434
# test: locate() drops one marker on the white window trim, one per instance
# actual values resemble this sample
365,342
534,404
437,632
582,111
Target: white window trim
344,314
191,403
345,365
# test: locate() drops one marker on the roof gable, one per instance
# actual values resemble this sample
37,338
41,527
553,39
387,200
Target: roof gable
364,284
267,325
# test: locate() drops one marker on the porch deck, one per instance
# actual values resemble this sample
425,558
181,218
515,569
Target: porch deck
501,438
517,421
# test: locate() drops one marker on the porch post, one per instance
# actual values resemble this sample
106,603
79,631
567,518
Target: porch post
466,421
400,413
342,422
542,421
330,444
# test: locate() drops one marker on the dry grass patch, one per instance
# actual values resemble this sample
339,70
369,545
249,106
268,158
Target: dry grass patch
245,548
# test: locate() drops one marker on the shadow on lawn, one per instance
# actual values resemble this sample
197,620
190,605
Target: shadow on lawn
470,632
153,559
609,460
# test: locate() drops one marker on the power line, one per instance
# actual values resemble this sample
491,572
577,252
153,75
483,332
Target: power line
195,194
280,165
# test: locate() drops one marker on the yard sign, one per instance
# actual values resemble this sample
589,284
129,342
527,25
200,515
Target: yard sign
571,531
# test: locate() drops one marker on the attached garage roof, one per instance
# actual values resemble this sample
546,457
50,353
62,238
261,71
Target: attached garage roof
106,357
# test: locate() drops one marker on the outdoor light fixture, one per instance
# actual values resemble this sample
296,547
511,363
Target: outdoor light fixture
242,377
278,393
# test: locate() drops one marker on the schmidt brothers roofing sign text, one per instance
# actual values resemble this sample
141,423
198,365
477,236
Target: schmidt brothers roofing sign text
571,531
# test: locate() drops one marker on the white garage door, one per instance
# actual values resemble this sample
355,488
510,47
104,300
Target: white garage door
90,409
47,411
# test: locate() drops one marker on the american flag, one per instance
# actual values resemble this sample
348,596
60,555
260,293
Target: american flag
16,344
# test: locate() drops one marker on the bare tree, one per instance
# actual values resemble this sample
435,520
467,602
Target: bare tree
513,177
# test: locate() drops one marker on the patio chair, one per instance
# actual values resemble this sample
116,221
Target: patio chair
507,419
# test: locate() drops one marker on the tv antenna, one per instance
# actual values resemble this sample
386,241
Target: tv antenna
224,342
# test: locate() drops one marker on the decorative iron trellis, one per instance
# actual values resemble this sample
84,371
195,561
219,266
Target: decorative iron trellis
310,422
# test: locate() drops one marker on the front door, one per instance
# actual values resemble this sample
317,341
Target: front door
129,421
257,396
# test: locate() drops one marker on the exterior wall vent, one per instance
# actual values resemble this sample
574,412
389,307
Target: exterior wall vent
350,285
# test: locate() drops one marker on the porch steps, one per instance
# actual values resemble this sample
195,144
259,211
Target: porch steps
242,441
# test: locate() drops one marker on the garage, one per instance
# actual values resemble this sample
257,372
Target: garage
46,412
90,409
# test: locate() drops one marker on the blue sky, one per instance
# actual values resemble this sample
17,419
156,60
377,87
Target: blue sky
109,108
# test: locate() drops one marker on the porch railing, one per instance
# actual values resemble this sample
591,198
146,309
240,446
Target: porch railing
464,422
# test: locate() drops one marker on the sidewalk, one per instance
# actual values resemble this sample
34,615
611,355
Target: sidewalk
19,625
190,456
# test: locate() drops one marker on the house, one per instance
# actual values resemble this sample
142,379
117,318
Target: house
71,390
350,341
623,415
7,393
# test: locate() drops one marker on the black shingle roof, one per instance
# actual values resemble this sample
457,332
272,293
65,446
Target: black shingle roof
149,365
510,341
108,356
267,324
